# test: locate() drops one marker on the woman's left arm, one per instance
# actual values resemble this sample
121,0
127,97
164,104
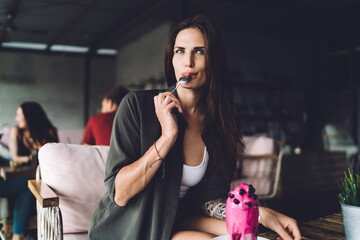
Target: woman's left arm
283,225
279,223
215,208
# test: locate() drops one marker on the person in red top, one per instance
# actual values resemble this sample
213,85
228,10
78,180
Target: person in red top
98,128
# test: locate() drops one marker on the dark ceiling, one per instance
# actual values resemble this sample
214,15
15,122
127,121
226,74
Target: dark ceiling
113,23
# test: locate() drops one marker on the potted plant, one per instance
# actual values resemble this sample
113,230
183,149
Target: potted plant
349,197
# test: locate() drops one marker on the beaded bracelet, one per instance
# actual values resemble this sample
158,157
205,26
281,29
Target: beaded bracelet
157,152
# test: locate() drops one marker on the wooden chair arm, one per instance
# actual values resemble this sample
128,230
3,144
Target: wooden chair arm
43,193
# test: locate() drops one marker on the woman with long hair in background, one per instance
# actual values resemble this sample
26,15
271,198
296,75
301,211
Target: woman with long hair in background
33,130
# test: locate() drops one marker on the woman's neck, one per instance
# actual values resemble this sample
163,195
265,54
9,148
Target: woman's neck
189,99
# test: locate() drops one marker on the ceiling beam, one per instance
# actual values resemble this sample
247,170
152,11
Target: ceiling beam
122,29
69,24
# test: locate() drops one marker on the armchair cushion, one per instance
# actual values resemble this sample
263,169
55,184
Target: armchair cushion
76,236
258,145
76,175
257,169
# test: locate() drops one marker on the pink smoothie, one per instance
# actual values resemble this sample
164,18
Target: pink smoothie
242,213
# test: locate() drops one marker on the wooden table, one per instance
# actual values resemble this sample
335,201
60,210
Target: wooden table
23,171
325,228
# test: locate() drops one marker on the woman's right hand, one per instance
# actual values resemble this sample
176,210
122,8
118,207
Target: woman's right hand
164,104
134,177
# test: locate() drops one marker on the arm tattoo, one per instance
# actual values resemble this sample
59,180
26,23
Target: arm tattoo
215,208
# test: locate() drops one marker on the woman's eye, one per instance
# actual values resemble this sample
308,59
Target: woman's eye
179,51
200,51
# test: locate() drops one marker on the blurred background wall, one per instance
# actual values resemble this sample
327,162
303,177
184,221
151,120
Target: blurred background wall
55,81
143,58
294,66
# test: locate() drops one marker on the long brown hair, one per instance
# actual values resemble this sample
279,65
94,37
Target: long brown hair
39,126
216,99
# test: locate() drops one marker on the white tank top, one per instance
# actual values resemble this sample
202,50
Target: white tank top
192,175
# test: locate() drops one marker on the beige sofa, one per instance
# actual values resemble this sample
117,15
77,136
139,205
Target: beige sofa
71,186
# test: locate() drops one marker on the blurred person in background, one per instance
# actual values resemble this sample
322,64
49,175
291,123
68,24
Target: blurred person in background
33,130
98,129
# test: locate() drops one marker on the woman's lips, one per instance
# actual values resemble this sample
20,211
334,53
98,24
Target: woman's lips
189,75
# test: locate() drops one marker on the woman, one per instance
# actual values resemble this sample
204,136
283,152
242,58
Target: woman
172,156
34,129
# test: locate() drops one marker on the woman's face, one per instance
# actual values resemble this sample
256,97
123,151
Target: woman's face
20,118
189,57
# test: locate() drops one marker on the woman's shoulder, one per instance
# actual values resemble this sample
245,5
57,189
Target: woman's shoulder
147,93
142,95
14,130
15,133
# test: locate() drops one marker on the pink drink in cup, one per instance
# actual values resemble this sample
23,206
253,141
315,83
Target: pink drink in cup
242,213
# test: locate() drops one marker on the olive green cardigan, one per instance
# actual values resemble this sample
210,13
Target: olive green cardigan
149,215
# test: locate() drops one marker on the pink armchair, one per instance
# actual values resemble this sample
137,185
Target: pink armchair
71,186
260,166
